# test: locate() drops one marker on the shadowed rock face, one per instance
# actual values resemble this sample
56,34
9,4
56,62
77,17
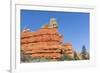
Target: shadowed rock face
46,42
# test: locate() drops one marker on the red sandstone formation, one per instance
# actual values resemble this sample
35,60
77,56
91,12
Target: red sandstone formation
68,49
45,42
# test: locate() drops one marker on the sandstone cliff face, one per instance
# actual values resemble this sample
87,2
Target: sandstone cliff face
68,49
46,42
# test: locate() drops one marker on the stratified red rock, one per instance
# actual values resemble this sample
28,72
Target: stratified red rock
46,42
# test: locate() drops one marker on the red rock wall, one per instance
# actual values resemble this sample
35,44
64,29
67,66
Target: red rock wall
42,43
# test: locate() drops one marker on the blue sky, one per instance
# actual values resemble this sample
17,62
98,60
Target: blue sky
74,26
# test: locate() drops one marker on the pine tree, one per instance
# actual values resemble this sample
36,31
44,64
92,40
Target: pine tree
76,56
84,53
